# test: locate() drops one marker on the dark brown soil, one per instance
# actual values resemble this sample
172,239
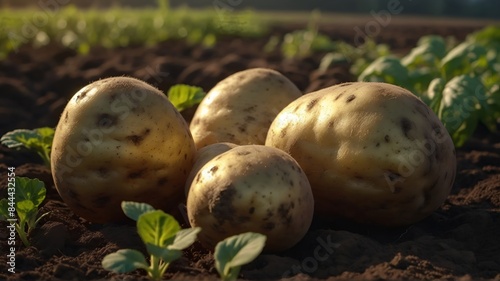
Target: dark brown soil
458,241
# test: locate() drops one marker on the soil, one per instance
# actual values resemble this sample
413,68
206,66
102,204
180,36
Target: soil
460,241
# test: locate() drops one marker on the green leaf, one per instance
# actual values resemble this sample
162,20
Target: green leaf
462,101
134,210
157,228
331,59
386,69
487,36
490,115
30,189
184,238
124,261
434,94
185,96
430,49
37,140
460,59
235,251
165,254
25,210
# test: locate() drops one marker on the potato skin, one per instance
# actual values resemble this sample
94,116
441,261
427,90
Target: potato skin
204,155
120,139
251,188
240,108
373,152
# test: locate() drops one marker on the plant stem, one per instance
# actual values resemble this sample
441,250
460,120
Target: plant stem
22,235
155,273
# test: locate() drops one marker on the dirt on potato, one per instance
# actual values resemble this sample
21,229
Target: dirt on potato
458,241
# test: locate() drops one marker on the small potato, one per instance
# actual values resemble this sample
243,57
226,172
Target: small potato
251,188
204,155
240,108
120,139
373,152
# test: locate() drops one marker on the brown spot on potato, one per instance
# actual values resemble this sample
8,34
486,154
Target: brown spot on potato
137,139
103,172
249,118
106,121
387,138
283,133
377,145
350,98
393,178
242,128
284,212
344,84
339,96
250,108
406,126
243,153
162,181
330,124
214,169
251,210
223,208
82,95
136,174
66,116
311,104
101,200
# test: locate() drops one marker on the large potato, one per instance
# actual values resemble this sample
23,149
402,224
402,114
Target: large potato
251,188
120,139
373,152
240,108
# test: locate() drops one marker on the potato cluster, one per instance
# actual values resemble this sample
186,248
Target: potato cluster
262,157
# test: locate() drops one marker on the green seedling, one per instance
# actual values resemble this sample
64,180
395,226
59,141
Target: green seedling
233,252
460,82
37,140
24,197
185,96
162,235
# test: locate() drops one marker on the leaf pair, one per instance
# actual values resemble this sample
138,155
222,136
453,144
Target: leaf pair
162,235
28,194
165,240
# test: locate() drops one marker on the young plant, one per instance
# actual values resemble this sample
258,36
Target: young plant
23,198
235,251
162,235
37,140
185,96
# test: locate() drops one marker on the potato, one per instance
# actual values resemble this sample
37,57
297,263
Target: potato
204,155
120,139
240,108
251,188
373,152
